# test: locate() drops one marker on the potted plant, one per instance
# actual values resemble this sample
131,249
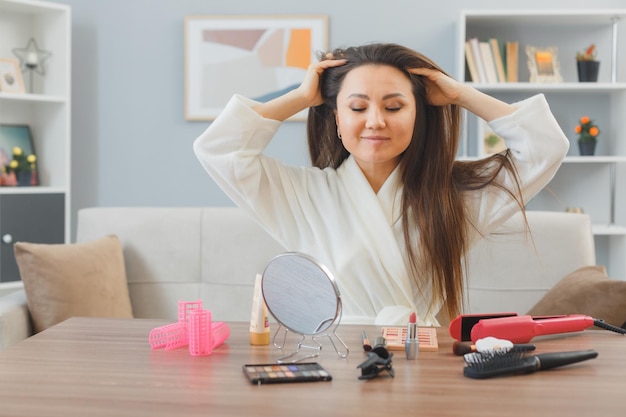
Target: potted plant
587,135
22,166
587,64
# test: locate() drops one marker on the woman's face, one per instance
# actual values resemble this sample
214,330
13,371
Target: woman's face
375,115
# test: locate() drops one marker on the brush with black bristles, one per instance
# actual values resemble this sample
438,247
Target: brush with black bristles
461,348
487,365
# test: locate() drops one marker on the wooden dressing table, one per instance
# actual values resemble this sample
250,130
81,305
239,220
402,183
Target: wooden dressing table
105,367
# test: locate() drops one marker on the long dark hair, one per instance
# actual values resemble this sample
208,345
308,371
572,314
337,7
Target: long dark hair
433,181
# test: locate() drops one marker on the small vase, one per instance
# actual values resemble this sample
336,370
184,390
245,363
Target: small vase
587,148
24,178
588,70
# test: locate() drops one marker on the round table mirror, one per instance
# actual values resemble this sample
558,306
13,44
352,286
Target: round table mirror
300,293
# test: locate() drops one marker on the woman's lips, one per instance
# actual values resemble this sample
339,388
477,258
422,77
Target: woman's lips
374,137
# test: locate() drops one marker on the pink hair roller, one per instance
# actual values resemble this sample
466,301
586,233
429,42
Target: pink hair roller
194,328
200,333
170,336
204,335
175,335
185,307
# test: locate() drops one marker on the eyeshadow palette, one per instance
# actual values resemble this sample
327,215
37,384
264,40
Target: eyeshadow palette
395,337
273,373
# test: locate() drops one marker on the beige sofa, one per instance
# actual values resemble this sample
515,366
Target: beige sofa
214,253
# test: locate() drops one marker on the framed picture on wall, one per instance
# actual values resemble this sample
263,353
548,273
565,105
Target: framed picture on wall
543,64
12,136
10,76
256,56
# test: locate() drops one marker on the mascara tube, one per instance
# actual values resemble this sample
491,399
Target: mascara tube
411,344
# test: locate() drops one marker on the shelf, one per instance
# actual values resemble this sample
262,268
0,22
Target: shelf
608,230
596,182
567,88
594,159
38,213
38,189
34,98
546,16
568,159
30,6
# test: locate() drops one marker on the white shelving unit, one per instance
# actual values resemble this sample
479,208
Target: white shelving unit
597,184
39,213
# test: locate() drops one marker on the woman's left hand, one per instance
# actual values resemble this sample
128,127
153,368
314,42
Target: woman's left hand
440,89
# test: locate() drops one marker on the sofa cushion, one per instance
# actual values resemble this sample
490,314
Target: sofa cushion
65,280
587,291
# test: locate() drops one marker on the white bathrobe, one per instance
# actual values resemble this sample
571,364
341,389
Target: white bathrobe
336,217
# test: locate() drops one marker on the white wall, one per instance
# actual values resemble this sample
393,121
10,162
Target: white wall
131,143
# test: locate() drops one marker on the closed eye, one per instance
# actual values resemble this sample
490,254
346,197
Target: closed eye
389,109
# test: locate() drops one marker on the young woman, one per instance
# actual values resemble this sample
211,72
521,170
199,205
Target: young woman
385,205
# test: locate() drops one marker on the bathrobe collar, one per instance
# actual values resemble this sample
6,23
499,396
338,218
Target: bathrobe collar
380,215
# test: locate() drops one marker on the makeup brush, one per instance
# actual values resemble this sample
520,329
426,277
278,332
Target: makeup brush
488,365
366,342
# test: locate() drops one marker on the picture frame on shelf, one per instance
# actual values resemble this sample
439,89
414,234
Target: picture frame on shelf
543,64
488,142
12,135
11,80
259,57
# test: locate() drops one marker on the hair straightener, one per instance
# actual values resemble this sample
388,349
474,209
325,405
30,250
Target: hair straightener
522,329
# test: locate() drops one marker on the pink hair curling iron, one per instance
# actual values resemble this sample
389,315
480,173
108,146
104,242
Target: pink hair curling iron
522,329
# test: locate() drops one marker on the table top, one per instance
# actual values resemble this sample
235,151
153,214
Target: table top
93,367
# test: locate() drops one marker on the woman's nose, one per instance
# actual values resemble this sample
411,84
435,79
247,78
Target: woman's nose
375,119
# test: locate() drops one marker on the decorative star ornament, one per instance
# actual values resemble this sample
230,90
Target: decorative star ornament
32,58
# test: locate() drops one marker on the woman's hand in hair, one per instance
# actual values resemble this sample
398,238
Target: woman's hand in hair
442,90
310,87
304,96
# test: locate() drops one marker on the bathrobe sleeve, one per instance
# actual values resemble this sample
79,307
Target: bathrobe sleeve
537,145
277,195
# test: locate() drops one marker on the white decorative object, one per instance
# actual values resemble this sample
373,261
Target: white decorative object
543,65
32,59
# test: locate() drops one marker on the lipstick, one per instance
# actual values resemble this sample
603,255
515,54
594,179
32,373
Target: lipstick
411,345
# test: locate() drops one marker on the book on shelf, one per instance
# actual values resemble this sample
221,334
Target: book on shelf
470,60
492,61
512,61
496,50
479,63
490,65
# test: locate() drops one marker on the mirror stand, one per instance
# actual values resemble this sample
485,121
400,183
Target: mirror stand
301,294
299,354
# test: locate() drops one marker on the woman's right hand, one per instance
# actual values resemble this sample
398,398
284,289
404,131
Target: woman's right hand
306,95
310,87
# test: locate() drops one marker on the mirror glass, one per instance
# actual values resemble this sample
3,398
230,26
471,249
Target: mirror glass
300,293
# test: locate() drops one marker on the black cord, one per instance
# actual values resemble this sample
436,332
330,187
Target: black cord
606,326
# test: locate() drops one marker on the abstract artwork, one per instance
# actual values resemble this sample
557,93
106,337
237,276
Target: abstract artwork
255,56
